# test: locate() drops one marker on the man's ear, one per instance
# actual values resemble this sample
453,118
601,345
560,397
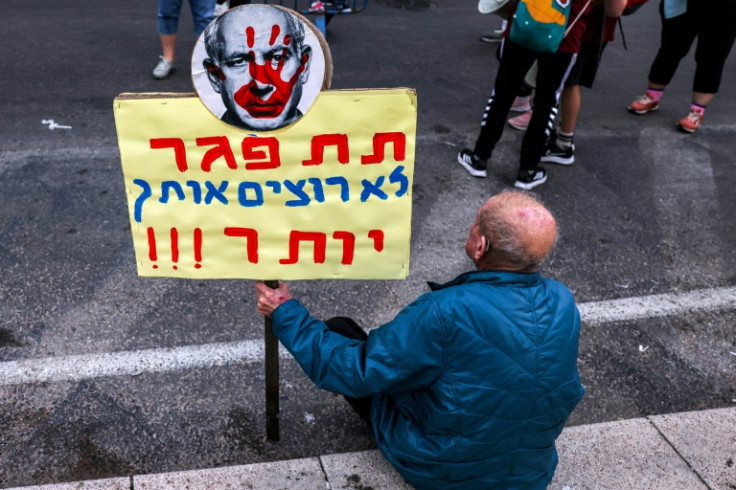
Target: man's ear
306,61
481,246
214,74
484,245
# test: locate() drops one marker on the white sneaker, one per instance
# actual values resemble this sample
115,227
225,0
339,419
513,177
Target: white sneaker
163,69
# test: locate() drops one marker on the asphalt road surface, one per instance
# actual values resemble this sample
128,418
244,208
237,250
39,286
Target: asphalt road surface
104,373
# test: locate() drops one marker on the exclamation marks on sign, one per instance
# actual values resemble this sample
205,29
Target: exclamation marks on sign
174,236
175,247
152,247
198,247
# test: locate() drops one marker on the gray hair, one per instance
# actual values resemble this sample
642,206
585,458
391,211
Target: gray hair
214,44
507,244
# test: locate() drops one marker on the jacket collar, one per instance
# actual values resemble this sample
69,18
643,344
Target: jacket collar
492,277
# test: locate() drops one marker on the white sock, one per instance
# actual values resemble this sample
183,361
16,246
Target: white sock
564,140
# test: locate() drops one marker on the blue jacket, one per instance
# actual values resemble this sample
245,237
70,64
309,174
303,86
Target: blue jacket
471,383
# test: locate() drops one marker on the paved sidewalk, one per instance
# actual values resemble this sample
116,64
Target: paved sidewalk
683,451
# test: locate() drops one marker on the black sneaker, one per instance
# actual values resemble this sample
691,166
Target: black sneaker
529,179
474,165
557,155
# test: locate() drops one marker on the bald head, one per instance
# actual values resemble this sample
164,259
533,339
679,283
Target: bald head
521,232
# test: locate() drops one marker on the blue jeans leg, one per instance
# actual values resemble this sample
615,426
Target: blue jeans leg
202,13
168,16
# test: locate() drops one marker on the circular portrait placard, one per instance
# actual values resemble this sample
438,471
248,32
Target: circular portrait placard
260,67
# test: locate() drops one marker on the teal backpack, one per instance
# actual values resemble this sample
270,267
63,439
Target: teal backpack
540,24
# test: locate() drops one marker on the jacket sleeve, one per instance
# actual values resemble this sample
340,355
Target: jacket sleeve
405,354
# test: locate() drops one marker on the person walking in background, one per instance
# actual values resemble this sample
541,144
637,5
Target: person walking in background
471,384
168,26
713,23
516,60
522,102
601,25
552,71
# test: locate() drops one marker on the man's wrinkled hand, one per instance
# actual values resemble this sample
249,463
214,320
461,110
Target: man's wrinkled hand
268,299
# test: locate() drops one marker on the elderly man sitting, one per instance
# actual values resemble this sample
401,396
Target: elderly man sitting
469,385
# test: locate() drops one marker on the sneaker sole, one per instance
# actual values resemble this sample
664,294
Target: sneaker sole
159,76
516,126
471,170
530,185
684,129
521,108
557,160
645,111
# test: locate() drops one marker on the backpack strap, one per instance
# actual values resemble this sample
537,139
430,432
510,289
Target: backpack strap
621,29
580,14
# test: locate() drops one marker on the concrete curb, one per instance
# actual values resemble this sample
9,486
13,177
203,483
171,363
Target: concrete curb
690,450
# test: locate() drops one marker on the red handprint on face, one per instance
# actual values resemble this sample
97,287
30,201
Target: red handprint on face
267,94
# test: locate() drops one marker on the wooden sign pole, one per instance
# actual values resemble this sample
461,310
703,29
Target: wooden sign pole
272,376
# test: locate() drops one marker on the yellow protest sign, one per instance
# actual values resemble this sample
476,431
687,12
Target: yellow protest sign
327,197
